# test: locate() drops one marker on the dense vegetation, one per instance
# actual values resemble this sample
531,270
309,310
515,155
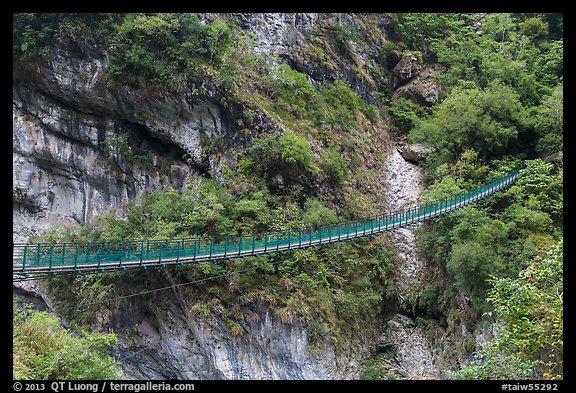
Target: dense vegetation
45,350
502,98
530,310
502,103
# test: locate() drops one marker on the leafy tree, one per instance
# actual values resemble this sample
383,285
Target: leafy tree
402,115
477,251
490,121
31,32
295,150
529,311
272,154
420,30
550,125
534,28
291,91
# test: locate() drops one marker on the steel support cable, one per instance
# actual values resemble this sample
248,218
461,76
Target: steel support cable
149,291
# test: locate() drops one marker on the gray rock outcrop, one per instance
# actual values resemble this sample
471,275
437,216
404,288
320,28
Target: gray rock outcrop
409,80
414,152
83,144
406,69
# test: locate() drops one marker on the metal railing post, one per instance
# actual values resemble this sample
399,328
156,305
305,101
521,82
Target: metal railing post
76,257
277,240
23,258
86,248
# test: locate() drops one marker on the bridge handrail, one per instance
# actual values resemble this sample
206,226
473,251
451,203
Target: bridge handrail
107,255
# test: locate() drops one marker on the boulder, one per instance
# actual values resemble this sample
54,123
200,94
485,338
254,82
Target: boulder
406,69
415,152
421,89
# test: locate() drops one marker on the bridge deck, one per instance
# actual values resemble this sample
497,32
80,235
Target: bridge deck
40,259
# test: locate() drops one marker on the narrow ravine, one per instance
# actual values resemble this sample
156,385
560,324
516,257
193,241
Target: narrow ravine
413,353
404,189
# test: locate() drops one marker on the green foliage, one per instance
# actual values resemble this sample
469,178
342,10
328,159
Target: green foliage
489,120
271,154
418,31
31,32
502,102
165,46
333,166
534,28
34,33
499,234
342,105
403,115
295,150
472,260
315,213
336,105
345,35
160,45
502,86
45,350
291,91
550,124
540,189
510,48
529,343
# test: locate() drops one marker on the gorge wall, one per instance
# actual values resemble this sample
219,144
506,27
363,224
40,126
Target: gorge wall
84,143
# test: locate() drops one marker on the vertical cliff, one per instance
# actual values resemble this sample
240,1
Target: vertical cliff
83,143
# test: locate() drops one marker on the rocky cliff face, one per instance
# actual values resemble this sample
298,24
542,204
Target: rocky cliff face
305,42
84,143
166,342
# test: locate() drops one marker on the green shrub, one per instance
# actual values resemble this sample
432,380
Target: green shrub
315,213
271,153
345,35
45,350
334,167
164,46
295,150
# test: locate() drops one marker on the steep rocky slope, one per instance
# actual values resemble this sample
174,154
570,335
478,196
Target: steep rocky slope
84,142
82,146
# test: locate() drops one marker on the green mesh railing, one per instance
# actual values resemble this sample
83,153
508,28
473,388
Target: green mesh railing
52,258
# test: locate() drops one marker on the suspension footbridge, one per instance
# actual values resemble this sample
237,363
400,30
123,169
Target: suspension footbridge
40,259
